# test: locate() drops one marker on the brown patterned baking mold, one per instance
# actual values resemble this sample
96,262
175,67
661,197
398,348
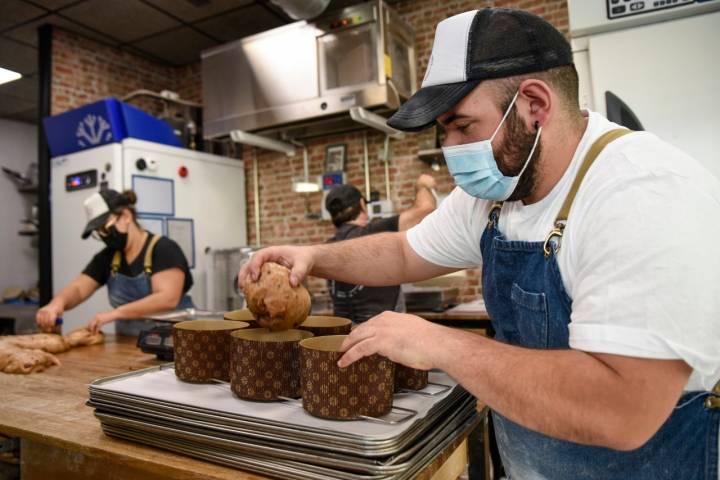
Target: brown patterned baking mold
321,325
265,365
407,378
242,315
363,388
202,349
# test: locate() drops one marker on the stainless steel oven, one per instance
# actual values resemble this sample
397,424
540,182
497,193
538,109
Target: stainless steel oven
304,72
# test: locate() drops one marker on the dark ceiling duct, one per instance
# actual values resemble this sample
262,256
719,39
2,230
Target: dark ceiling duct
302,9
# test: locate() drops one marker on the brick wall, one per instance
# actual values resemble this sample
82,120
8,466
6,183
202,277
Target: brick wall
84,70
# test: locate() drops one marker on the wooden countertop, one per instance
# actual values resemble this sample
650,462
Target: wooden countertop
48,409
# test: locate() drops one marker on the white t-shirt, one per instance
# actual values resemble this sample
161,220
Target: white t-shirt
640,256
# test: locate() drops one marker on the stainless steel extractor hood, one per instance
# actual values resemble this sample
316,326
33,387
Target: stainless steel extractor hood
300,80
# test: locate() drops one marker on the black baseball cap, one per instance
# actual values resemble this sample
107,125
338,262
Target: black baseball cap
342,197
99,206
478,45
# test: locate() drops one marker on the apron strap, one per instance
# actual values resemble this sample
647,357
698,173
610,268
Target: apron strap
115,265
147,265
590,157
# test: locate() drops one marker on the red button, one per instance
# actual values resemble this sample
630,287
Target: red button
183,172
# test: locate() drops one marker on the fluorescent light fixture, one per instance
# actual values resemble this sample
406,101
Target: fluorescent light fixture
262,142
305,187
373,120
8,75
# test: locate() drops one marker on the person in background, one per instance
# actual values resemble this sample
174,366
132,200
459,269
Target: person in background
145,273
350,216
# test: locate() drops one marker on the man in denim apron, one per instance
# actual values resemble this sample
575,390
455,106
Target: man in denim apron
601,269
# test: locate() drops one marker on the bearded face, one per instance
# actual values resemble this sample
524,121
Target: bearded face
513,152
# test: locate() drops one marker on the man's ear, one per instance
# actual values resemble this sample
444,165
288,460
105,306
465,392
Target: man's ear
537,103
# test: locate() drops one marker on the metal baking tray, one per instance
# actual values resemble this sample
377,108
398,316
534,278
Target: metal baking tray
333,431
286,468
135,408
272,447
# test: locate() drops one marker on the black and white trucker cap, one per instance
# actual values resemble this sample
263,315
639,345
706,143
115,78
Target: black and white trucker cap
99,206
474,46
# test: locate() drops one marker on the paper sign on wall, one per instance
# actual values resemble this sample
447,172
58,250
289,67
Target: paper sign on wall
182,230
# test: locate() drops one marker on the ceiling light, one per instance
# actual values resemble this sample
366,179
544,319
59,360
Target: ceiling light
373,120
305,187
8,75
262,142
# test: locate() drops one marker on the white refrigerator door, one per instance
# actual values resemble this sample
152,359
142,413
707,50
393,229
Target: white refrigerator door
667,73
70,254
212,195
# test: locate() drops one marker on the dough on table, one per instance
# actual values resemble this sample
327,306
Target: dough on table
19,360
49,342
83,336
276,304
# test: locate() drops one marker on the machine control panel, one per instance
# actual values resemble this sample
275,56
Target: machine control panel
623,8
81,180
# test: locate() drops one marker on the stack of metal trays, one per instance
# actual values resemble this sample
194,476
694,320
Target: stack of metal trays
280,439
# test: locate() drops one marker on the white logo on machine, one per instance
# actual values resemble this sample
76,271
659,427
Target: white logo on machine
92,130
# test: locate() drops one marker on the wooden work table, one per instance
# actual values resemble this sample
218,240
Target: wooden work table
61,439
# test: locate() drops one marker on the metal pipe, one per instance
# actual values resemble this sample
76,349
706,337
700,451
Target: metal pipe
256,196
149,93
386,157
45,273
367,167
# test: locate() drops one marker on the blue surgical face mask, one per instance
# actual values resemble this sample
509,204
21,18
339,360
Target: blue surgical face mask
475,170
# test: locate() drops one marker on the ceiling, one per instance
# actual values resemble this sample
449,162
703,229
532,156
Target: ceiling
172,32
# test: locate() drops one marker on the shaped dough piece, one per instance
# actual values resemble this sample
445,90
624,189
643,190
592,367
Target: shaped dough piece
83,336
27,361
49,342
276,304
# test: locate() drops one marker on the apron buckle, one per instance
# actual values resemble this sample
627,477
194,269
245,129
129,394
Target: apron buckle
555,232
711,401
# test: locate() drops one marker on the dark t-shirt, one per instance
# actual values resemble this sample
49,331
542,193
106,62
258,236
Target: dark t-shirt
167,254
357,302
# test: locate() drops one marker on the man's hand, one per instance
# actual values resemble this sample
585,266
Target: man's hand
403,338
101,319
299,260
46,316
425,181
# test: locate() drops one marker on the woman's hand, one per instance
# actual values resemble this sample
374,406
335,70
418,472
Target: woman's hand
101,319
47,315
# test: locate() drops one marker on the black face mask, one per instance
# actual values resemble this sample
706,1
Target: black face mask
114,239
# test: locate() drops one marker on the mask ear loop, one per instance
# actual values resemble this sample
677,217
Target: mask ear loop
507,112
532,150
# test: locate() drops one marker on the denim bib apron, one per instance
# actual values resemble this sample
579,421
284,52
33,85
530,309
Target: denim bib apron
526,300
124,289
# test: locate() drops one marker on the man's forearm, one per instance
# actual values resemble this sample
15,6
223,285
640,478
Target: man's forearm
566,394
372,260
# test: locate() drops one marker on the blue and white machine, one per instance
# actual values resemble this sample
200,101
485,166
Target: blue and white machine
197,199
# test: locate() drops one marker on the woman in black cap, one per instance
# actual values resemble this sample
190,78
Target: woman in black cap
144,273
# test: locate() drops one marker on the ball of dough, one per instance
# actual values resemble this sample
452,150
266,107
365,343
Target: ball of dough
276,304
83,336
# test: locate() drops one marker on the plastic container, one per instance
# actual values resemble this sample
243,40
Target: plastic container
103,122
